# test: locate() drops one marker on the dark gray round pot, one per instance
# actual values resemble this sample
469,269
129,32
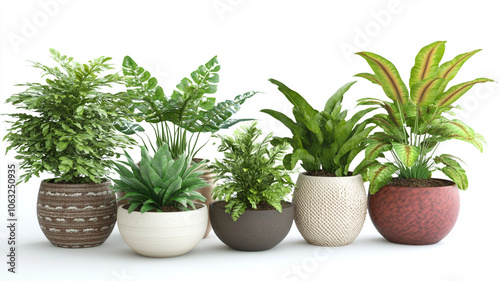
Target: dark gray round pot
255,230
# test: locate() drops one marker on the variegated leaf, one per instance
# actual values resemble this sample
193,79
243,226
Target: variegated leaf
427,62
380,175
449,160
388,76
456,129
456,176
408,154
423,93
374,149
370,77
455,92
449,69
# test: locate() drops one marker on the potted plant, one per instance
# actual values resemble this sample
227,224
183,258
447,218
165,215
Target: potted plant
413,207
179,119
65,127
252,214
330,201
161,218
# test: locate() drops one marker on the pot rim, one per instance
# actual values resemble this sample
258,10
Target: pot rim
450,184
303,174
199,159
202,205
253,210
76,185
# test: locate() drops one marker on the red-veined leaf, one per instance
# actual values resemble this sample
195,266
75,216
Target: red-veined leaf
380,175
370,77
423,93
455,92
388,76
408,154
427,62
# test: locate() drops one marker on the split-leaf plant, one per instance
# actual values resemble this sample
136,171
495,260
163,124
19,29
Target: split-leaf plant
159,181
65,125
324,141
413,123
179,119
251,172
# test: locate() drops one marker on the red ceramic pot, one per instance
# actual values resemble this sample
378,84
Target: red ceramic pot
415,215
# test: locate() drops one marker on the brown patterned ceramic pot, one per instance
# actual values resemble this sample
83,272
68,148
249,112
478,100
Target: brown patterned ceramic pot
255,230
415,215
76,215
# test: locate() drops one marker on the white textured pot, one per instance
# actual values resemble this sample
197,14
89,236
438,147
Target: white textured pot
165,234
329,211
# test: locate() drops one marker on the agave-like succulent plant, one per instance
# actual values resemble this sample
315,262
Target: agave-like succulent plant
159,181
413,124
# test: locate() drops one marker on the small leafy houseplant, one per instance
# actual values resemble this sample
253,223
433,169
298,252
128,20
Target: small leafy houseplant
414,123
326,143
65,127
161,218
251,178
249,172
416,120
179,119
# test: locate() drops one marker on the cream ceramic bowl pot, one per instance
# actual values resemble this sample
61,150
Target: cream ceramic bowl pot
163,234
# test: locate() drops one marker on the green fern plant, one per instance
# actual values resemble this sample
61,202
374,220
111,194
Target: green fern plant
413,124
322,141
249,172
64,126
159,181
178,120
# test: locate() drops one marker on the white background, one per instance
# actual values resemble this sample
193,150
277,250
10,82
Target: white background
306,44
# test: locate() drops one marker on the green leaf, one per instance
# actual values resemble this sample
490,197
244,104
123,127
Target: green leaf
282,118
453,170
300,154
295,98
455,92
427,63
424,92
449,69
408,154
351,144
133,206
147,207
370,77
457,176
380,175
388,76
337,97
456,129
303,110
374,149
61,146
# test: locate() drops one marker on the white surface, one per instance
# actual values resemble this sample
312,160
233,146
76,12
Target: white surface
303,44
